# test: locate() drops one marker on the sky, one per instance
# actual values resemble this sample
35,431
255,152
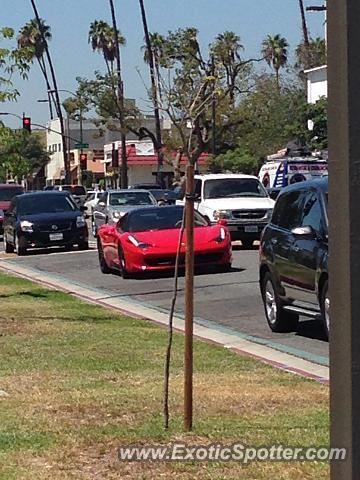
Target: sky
72,56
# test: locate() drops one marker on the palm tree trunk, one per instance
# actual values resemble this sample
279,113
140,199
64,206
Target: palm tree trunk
277,78
154,93
57,98
303,23
120,94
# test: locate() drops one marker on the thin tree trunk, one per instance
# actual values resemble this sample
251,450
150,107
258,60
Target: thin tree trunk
277,79
58,104
154,93
124,172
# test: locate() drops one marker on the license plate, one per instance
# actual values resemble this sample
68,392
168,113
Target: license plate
251,228
55,236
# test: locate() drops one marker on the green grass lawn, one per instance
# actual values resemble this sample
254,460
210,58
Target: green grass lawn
81,380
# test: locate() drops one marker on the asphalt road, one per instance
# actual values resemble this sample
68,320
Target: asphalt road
231,299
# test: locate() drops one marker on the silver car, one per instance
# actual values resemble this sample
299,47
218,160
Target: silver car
113,204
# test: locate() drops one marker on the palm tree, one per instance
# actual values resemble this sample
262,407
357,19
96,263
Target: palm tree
274,51
55,90
226,52
33,36
102,40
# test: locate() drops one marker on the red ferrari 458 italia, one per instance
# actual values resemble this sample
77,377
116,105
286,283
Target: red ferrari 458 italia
146,239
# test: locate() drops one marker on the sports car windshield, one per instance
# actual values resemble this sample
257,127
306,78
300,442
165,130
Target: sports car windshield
118,199
161,218
234,187
32,205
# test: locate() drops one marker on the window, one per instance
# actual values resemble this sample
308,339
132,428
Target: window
312,213
131,198
59,147
103,198
198,185
288,210
234,187
55,147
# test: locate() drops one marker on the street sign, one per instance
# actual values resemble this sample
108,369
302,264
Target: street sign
80,146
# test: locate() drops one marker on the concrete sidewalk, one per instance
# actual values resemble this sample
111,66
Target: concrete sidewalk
207,331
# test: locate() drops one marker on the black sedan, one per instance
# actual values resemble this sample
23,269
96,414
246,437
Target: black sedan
44,219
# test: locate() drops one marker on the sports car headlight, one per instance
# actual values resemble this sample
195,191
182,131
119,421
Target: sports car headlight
218,214
269,214
80,221
138,244
26,226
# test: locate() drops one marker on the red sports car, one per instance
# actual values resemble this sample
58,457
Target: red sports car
146,239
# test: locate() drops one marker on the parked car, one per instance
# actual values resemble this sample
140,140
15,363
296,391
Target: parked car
1,222
7,192
164,196
113,204
146,239
146,186
239,199
77,191
294,257
44,219
92,199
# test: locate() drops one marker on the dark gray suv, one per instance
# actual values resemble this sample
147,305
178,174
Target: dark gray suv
294,257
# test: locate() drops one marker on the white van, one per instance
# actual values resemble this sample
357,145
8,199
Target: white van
279,173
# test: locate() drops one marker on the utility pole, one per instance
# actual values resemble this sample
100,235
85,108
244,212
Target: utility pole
154,95
120,94
344,236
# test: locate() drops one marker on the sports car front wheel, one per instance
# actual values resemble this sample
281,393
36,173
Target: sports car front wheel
102,262
122,264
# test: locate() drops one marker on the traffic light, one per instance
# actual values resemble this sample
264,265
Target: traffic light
115,158
83,161
27,124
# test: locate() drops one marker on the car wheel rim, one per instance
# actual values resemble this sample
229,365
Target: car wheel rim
327,311
270,302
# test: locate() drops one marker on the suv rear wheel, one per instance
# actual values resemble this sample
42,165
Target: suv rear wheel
279,320
325,307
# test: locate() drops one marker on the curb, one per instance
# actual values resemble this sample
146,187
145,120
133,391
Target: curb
229,340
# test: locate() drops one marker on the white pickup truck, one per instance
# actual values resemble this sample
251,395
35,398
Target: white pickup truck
239,199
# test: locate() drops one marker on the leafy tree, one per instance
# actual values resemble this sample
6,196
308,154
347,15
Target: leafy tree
98,95
275,52
11,60
195,85
235,161
270,118
20,154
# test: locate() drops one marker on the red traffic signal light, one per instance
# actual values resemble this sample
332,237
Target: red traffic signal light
83,161
27,124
